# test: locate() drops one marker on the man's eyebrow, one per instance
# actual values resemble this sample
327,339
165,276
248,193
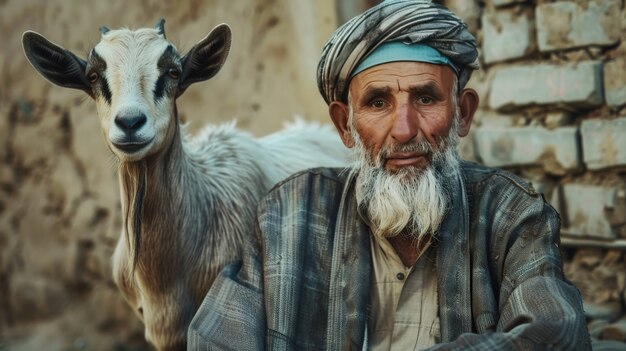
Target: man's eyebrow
429,88
373,91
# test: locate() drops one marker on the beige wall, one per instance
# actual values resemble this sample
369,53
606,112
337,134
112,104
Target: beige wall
59,210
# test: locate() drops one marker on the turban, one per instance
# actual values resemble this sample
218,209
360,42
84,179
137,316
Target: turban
406,21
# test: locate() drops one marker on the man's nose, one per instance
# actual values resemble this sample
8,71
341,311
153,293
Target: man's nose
405,124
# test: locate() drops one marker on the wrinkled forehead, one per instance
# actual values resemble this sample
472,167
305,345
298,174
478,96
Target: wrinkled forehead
124,46
404,75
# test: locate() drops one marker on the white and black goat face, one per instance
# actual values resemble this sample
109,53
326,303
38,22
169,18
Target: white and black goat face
134,78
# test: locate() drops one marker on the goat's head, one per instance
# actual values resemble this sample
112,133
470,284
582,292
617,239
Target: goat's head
134,78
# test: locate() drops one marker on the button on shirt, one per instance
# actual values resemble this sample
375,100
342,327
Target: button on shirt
404,304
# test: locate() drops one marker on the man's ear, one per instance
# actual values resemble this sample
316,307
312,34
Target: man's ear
54,63
468,103
339,113
206,58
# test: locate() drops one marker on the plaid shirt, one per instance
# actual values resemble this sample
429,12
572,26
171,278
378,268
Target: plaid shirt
304,281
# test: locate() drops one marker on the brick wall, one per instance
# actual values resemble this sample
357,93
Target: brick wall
553,97
553,91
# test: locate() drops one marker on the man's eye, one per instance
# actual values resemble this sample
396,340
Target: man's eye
378,103
425,100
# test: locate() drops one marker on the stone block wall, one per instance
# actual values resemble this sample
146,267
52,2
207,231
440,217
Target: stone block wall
553,102
553,110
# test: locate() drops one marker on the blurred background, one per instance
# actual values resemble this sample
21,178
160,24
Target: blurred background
552,87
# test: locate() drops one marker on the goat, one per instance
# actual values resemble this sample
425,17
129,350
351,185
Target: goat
188,203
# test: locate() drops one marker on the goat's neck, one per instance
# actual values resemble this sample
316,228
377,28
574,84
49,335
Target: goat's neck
157,177
180,206
154,199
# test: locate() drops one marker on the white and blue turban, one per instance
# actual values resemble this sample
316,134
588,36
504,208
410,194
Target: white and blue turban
409,22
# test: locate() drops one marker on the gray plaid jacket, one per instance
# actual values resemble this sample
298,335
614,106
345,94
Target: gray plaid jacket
303,284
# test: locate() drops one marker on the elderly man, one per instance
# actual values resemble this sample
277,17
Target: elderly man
411,248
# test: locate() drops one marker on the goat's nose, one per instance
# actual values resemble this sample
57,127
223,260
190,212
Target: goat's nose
132,122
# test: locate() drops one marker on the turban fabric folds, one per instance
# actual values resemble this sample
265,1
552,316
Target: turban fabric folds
406,21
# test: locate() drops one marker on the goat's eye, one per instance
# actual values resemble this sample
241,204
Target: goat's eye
173,73
93,77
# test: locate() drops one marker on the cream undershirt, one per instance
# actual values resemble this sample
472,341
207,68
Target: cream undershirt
404,304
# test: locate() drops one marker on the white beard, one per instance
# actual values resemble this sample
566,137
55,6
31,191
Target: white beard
412,201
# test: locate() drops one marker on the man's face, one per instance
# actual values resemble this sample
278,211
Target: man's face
404,120
403,103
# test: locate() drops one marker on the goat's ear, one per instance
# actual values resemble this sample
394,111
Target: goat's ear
206,58
56,64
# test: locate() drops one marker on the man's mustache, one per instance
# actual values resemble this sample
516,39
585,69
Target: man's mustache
421,147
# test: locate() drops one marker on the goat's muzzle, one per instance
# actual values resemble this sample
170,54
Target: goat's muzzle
130,125
132,147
